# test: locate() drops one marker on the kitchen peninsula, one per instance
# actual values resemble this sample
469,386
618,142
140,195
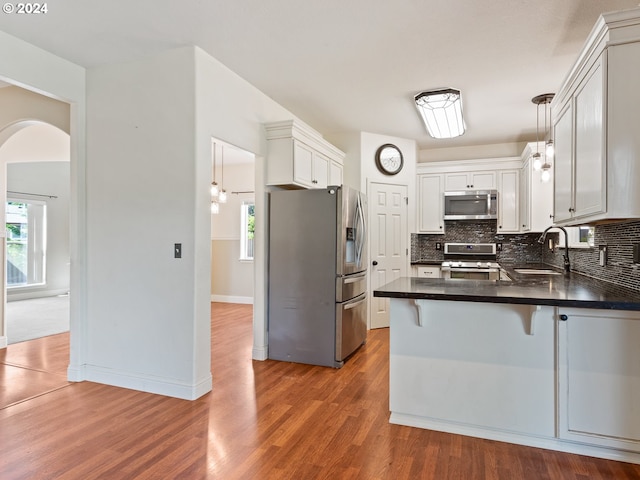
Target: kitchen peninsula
543,360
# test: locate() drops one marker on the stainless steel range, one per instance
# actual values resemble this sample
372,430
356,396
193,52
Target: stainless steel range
470,261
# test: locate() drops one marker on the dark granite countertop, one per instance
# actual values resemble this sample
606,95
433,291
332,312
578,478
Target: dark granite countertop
435,263
567,290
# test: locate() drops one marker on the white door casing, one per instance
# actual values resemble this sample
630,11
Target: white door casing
387,244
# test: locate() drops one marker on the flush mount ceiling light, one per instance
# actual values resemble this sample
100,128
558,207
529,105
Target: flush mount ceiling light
441,111
540,163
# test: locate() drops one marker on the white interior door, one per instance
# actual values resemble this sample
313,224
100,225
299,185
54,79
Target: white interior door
388,245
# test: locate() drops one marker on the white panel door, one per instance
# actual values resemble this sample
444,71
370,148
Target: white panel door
388,243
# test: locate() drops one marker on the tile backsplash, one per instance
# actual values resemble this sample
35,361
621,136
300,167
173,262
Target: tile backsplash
620,269
524,248
517,248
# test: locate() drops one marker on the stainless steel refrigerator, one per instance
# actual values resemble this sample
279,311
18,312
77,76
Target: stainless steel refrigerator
317,311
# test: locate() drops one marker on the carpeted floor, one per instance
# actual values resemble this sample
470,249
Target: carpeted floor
35,318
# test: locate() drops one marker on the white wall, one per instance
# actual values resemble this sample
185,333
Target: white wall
143,197
39,71
496,150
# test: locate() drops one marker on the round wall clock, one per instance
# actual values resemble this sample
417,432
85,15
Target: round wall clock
389,159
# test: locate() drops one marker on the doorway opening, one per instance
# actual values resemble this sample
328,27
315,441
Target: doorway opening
36,211
233,226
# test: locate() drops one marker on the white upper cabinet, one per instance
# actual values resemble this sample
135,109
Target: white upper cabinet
536,196
298,156
430,203
595,127
470,181
335,173
508,201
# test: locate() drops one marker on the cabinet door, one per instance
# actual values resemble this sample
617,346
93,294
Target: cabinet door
335,173
525,197
429,272
482,180
302,164
320,171
599,377
508,201
563,183
456,181
430,200
589,137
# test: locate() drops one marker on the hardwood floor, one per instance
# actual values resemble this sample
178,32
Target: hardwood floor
263,420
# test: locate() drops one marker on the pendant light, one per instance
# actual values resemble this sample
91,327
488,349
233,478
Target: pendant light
540,163
222,196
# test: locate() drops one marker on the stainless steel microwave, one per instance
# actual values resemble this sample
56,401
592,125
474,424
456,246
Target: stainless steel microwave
471,205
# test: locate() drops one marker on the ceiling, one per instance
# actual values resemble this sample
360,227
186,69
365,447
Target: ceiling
349,65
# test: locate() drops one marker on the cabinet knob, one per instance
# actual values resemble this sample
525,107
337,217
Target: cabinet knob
500,226
571,209
374,263
440,226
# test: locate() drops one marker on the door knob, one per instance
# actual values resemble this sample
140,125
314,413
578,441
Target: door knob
374,263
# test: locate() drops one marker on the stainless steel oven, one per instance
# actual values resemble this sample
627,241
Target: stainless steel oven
470,261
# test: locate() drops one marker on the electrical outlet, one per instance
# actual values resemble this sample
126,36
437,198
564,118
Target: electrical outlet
499,247
177,250
438,246
603,255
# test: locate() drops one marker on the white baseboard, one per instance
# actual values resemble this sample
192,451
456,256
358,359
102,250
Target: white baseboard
232,299
513,437
35,294
260,353
4,341
145,383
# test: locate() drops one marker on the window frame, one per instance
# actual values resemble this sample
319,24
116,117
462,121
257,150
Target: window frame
245,244
36,269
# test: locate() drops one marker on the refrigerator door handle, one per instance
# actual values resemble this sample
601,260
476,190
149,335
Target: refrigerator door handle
363,233
355,278
354,304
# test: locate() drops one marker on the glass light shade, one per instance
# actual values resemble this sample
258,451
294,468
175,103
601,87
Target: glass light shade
546,175
222,196
441,112
215,208
537,161
214,189
550,150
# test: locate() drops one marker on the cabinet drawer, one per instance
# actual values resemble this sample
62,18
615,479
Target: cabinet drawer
429,272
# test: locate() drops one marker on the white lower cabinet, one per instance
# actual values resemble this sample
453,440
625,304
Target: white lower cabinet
599,377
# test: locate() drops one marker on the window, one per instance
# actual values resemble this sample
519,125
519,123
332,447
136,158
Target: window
26,242
579,237
247,229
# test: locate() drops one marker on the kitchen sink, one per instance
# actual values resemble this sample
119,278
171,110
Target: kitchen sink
536,271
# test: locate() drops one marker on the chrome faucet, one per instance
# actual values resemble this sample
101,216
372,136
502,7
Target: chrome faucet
567,265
